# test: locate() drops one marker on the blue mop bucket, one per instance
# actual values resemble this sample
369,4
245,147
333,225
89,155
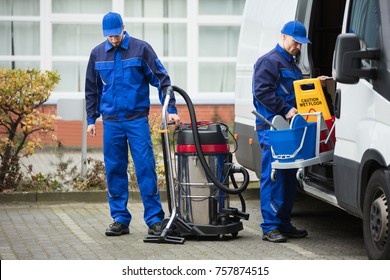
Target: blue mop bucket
295,143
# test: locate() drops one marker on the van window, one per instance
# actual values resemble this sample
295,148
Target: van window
364,22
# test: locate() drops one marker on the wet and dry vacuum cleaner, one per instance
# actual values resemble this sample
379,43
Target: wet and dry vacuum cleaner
199,195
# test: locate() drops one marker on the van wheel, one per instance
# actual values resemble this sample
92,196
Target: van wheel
376,217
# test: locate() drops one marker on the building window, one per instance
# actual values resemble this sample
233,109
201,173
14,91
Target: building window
81,6
217,77
19,64
178,73
221,7
76,39
218,40
156,8
166,39
196,40
72,76
19,8
19,33
19,38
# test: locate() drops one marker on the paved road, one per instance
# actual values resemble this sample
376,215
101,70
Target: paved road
75,231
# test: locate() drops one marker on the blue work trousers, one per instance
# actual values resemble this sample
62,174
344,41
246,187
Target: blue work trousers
276,198
118,137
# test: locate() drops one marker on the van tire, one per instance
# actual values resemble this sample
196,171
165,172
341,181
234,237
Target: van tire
376,217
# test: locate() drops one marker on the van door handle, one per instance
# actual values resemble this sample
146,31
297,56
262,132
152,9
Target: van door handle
337,103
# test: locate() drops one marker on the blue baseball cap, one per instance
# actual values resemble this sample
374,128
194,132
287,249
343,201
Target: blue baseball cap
112,24
296,30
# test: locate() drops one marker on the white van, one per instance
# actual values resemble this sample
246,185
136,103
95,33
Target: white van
351,40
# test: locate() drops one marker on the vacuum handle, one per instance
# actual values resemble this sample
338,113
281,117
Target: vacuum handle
165,139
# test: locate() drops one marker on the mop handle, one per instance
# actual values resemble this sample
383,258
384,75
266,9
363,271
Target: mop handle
264,119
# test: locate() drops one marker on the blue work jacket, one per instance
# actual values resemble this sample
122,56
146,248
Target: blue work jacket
272,85
117,81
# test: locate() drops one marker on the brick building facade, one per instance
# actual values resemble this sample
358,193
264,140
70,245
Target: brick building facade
69,133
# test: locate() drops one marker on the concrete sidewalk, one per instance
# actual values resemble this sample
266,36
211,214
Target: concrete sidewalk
75,231
71,226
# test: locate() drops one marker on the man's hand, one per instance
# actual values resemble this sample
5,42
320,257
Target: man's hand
291,113
323,80
91,130
174,118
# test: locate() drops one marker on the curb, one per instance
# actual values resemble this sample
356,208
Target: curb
90,196
43,197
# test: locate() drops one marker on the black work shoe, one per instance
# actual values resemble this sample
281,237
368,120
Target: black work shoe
295,233
116,229
155,229
274,236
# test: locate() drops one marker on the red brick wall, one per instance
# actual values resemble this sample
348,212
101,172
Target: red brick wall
69,132
220,113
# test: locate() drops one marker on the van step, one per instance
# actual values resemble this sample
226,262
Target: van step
320,189
321,173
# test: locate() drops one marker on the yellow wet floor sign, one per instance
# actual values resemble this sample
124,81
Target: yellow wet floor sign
310,98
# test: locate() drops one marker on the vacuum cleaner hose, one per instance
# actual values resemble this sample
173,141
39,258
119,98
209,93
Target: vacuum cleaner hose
209,173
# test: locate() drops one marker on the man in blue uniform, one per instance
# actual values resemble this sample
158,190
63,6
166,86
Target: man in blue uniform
117,88
273,94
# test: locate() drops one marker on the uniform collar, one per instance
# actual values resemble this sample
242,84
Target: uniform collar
285,54
124,45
